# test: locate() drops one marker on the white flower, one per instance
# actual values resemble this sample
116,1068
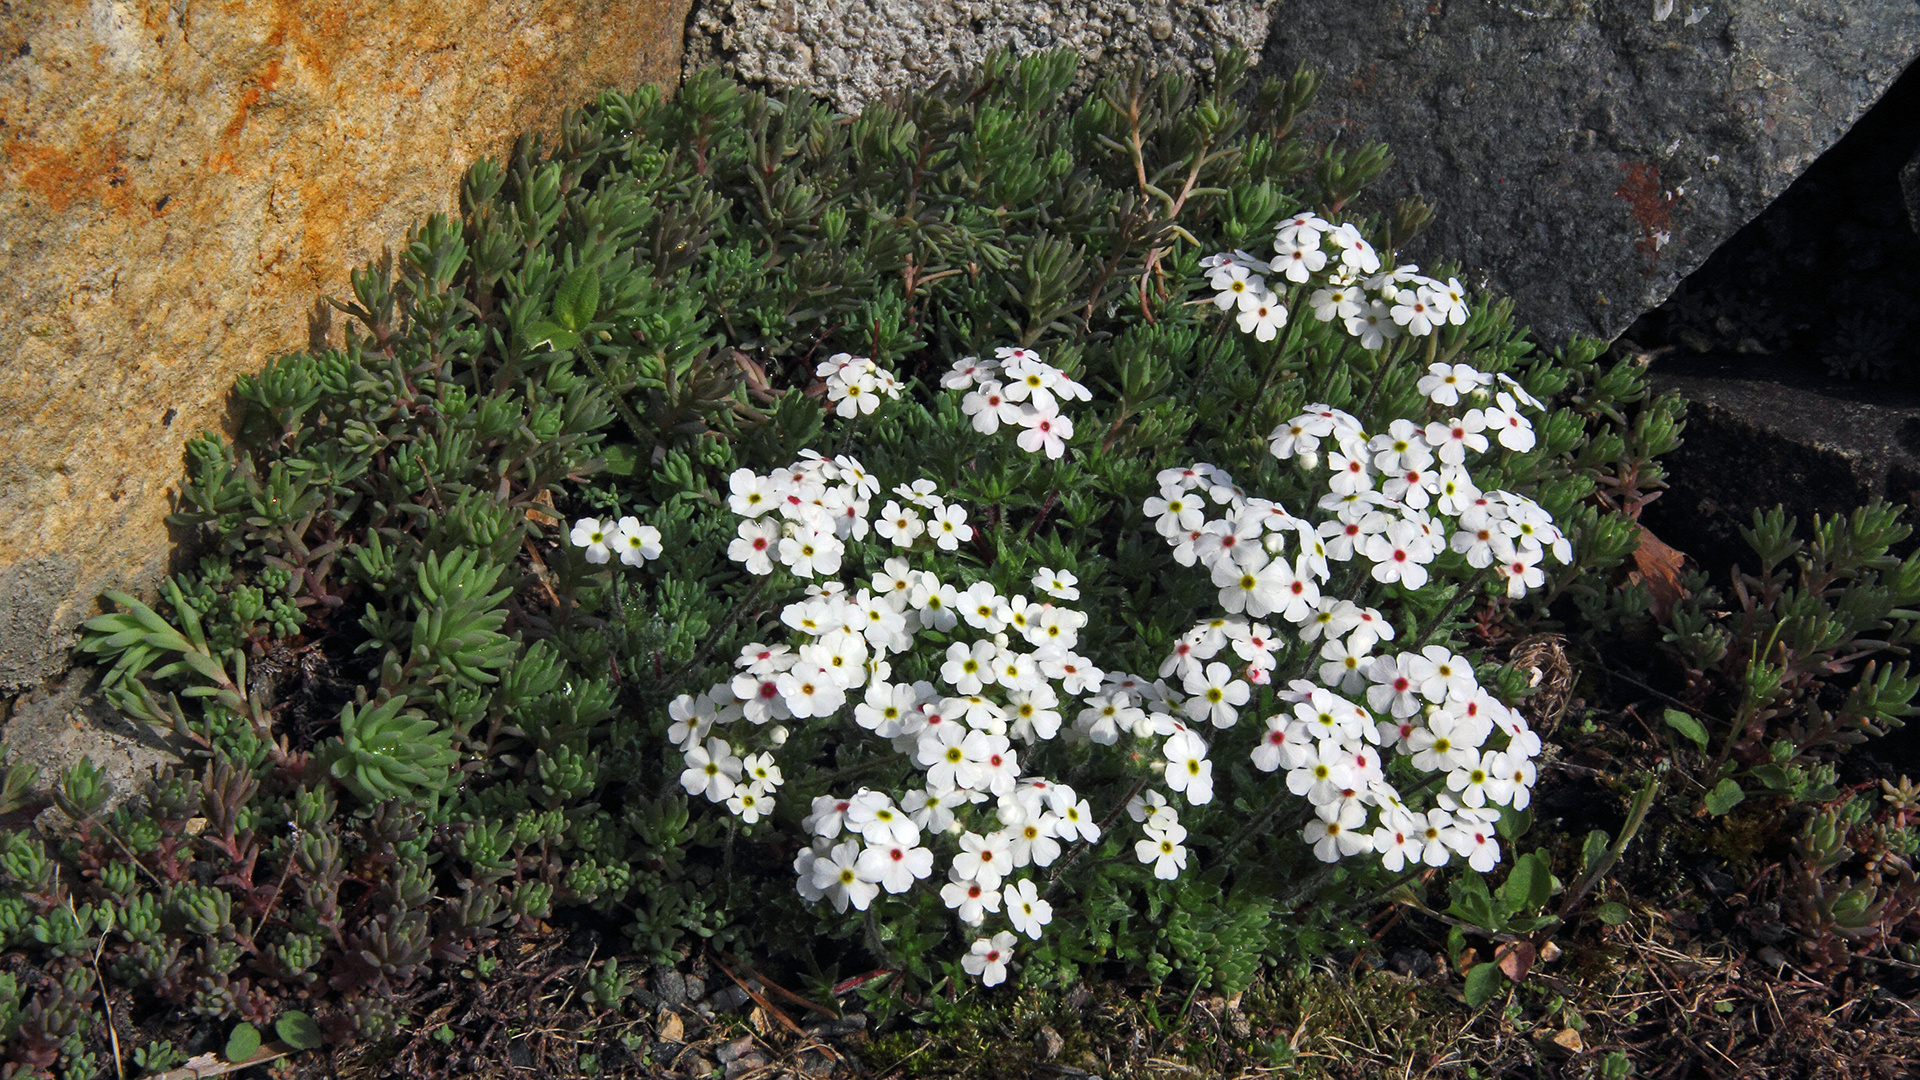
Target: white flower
1214,694
1442,744
836,875
1373,324
1335,831
751,495
1337,301
988,959
811,690
1034,382
1187,768
1164,851
1283,746
1026,910
712,770
1059,584
750,803
1444,383
809,550
1322,774
873,815
936,604
902,525
950,528
1234,281
636,543
598,539
761,769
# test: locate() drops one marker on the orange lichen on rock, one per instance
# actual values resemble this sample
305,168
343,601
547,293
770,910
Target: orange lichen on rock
179,184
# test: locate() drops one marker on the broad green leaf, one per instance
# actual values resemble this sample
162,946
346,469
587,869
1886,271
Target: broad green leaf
621,459
298,1030
576,300
243,1042
552,336
1471,901
1482,981
1528,884
1611,913
1686,725
1725,796
1592,848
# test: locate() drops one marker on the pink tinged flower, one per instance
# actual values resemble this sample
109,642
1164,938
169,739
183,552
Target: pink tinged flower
895,866
1393,690
985,859
1262,315
1044,431
1284,746
970,899
989,407
1396,845
1477,843
997,764
1522,572
966,371
989,958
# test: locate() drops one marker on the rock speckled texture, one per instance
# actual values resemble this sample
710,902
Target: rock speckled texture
1587,156
851,51
179,182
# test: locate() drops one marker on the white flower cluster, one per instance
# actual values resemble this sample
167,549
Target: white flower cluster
802,516
1373,305
635,542
1002,681
1396,500
855,384
1018,389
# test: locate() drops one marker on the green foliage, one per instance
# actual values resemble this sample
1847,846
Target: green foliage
422,719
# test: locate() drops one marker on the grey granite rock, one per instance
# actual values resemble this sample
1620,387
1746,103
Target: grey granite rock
1586,156
851,51
55,726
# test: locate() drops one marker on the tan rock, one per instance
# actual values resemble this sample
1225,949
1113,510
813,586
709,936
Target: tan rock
179,182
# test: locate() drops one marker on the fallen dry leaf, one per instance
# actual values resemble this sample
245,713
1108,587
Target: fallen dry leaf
1516,959
1569,1040
1659,566
672,1029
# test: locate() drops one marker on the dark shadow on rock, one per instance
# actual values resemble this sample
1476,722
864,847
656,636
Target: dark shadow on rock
1762,432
